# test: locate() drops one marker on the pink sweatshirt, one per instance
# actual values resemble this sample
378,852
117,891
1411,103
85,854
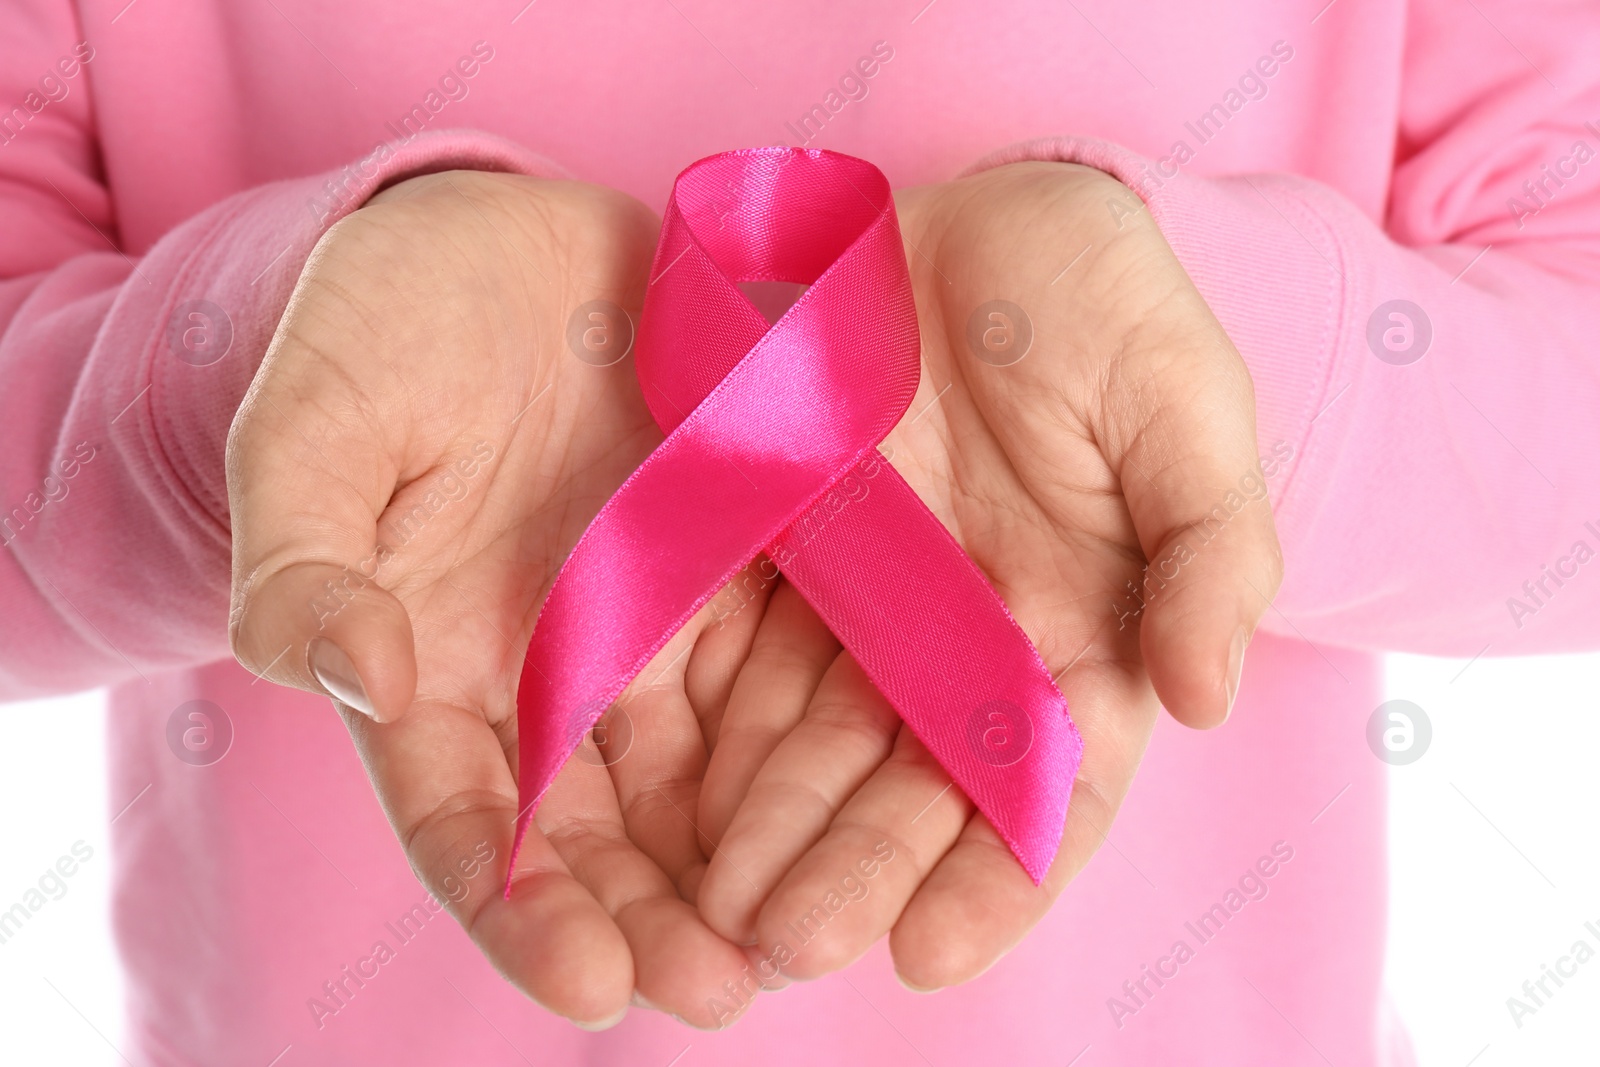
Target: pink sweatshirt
165,169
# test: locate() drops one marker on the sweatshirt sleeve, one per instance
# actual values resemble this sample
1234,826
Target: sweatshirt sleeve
121,377
1427,387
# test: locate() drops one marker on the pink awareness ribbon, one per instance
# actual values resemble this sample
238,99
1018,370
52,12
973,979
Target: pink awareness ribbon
766,427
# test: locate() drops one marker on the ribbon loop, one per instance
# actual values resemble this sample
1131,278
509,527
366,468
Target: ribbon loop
772,435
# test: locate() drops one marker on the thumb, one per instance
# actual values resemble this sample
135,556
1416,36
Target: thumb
1197,494
304,494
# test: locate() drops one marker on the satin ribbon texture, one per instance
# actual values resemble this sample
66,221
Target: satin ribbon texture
771,446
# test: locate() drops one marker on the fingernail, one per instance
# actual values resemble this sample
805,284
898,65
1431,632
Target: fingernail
1241,638
603,1024
640,1002
915,989
338,676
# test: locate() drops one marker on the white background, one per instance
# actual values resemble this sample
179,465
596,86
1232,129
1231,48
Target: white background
1494,867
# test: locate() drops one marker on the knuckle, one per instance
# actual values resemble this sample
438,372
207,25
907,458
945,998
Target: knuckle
850,727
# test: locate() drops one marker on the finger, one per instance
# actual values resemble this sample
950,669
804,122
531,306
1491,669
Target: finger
978,902
305,490
848,890
654,739
847,731
733,618
975,906
1197,494
679,964
651,742
443,780
791,652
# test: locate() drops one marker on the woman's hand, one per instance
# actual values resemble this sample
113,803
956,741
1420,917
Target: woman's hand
437,420
1082,415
